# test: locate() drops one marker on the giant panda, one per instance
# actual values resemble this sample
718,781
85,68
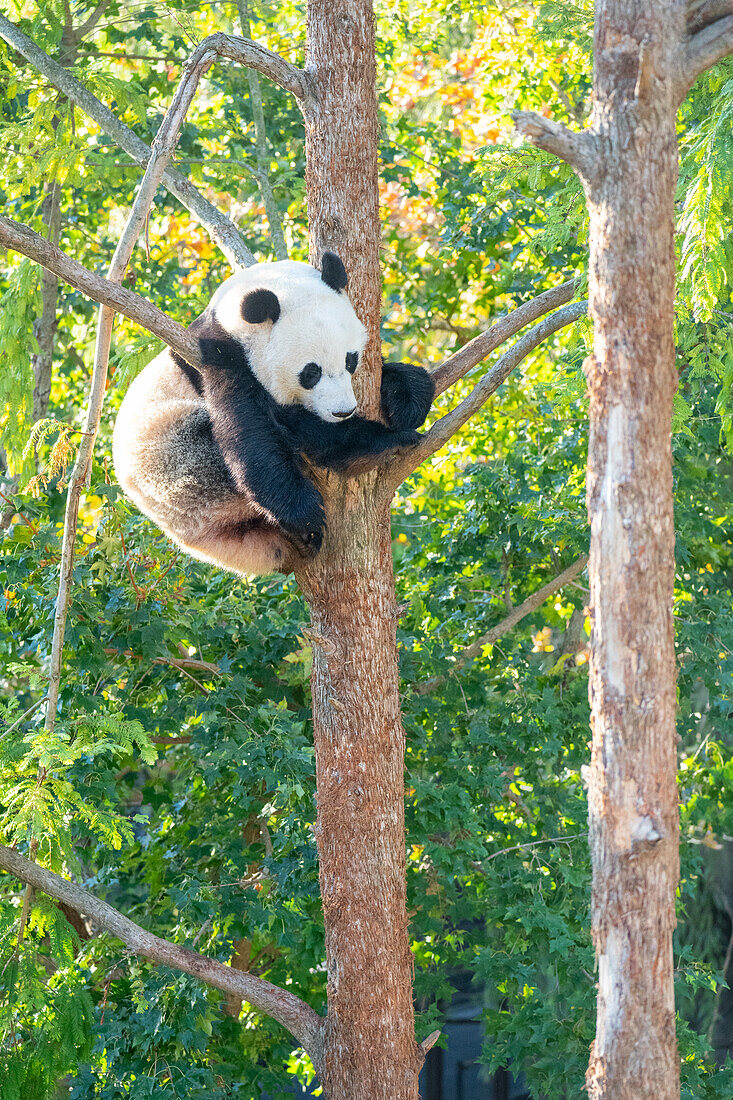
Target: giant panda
214,455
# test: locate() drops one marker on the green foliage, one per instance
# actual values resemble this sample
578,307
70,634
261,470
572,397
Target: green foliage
37,775
19,306
706,195
179,780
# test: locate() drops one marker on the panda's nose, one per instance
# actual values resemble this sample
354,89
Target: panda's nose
345,414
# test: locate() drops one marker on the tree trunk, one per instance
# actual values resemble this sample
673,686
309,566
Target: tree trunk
370,1050
631,381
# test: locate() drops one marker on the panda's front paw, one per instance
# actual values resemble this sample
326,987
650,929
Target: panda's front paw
406,438
407,393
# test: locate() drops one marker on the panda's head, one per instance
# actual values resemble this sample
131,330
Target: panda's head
302,337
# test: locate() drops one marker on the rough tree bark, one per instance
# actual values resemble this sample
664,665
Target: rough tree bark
369,1038
646,57
631,382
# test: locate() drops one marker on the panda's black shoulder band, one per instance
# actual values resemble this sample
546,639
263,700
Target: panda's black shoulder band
259,306
190,372
333,271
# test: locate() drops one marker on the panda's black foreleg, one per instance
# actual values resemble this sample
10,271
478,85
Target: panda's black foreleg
407,392
355,439
262,462
336,446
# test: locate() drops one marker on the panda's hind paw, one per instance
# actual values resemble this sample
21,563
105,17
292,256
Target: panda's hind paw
307,543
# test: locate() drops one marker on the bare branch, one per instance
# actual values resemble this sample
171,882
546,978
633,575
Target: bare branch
398,468
534,844
24,240
87,27
576,149
430,1042
515,616
704,49
222,230
264,61
477,349
263,177
299,1018
700,13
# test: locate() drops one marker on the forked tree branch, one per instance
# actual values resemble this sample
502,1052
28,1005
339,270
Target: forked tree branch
706,48
299,1018
396,469
515,616
221,228
482,345
31,244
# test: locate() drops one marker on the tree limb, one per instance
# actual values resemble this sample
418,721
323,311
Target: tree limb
29,243
406,461
299,1018
576,149
222,230
706,48
263,177
700,13
516,615
482,345
88,27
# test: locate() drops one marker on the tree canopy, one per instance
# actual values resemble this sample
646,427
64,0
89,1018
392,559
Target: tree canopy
179,779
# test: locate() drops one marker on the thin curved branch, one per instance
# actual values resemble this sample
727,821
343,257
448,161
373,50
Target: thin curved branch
578,149
264,61
299,1018
706,48
263,176
515,616
21,239
482,345
222,230
405,462
163,148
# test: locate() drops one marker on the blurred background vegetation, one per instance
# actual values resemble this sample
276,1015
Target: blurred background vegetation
179,779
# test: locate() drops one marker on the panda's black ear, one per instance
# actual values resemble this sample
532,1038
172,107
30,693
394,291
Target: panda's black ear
259,306
333,271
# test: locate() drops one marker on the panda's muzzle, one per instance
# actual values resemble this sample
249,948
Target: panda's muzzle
345,415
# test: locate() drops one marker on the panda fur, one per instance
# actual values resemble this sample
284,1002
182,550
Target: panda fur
213,455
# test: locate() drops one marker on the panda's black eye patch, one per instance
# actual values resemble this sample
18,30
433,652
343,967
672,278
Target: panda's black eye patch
310,375
352,361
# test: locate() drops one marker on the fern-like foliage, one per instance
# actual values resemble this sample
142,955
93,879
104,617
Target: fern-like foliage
19,306
39,797
59,456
